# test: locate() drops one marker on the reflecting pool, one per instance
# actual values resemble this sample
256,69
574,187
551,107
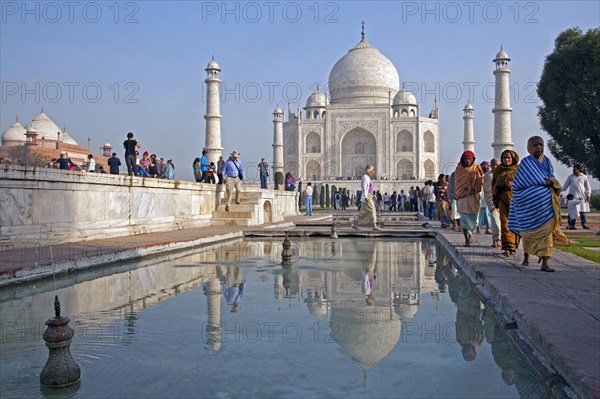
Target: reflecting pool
378,318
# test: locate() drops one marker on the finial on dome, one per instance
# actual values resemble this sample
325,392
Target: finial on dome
17,121
362,33
42,108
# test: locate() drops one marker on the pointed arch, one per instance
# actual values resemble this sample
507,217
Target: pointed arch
313,170
428,142
405,170
313,143
429,169
404,141
359,148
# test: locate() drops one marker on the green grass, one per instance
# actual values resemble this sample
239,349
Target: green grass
578,245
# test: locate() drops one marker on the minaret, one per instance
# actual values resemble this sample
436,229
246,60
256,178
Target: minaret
502,109
469,140
277,141
213,112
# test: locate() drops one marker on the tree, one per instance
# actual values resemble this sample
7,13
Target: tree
322,197
570,91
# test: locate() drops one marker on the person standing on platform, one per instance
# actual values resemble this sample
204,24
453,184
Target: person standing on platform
113,164
502,193
579,187
308,192
204,167
220,165
233,175
469,180
535,210
130,158
489,199
367,214
263,170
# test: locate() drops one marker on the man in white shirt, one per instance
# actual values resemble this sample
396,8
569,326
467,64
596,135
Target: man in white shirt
308,192
579,186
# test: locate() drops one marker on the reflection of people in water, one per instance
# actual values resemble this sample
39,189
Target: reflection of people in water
233,288
515,369
431,253
469,329
501,349
443,269
370,275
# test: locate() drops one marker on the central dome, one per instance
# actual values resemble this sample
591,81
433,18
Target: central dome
363,76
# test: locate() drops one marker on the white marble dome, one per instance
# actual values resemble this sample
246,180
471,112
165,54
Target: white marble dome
278,110
44,126
66,138
213,65
317,99
14,134
404,97
363,76
47,129
502,55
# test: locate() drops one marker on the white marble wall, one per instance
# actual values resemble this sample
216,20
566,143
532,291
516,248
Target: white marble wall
60,206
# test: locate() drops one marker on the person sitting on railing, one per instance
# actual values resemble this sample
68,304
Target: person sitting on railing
290,182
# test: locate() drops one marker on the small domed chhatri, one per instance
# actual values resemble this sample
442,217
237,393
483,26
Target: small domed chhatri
404,97
213,65
317,99
362,119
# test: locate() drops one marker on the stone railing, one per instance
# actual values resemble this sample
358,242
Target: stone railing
56,206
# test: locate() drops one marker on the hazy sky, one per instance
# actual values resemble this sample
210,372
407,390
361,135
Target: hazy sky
106,68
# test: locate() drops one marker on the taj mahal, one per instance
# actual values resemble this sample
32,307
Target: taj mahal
367,119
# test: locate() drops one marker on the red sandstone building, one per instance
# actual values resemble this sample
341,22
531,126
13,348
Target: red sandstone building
42,140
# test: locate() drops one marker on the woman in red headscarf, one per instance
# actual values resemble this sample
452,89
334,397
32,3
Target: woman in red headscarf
468,183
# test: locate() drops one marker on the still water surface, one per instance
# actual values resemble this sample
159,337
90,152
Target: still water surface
382,318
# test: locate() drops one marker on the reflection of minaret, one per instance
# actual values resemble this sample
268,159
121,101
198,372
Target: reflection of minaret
213,113
277,141
213,328
469,139
502,109
291,283
278,288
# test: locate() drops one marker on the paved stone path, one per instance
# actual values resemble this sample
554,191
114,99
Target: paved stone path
558,313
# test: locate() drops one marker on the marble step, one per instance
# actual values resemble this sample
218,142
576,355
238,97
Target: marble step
230,222
232,214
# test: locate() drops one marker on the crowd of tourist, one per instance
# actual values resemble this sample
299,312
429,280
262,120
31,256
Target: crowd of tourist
516,202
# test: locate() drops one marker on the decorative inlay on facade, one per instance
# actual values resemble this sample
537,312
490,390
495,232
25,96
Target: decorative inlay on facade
344,126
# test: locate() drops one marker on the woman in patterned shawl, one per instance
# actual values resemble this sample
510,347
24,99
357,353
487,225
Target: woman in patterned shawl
467,187
502,193
535,212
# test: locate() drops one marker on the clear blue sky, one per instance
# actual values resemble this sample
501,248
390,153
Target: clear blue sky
147,59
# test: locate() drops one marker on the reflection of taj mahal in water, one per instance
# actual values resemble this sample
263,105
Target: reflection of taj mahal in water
335,292
332,292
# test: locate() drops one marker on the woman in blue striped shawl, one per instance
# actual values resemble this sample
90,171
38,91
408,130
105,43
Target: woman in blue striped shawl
535,211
